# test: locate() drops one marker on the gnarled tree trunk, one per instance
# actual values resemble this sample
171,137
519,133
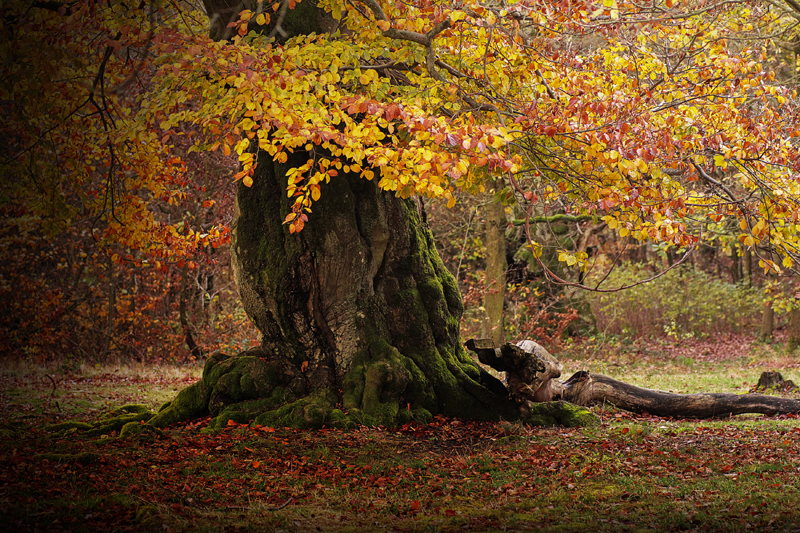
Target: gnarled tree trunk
359,317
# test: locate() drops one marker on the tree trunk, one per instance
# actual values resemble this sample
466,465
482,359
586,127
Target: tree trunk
183,314
767,323
747,266
495,280
793,337
112,308
590,389
359,317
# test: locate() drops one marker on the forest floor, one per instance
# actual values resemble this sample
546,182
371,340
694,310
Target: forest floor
631,473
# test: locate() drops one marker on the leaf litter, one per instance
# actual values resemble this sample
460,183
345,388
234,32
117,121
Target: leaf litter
632,472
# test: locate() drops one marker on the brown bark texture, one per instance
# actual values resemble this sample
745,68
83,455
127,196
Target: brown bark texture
496,265
588,389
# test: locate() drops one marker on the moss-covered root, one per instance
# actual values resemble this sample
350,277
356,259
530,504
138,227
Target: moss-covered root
103,427
560,413
132,408
230,381
314,411
139,431
67,427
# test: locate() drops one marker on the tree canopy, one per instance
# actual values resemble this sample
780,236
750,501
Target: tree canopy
664,120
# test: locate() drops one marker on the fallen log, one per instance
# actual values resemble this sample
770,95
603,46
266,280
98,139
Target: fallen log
587,389
531,372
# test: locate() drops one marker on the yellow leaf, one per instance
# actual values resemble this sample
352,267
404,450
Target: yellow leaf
787,261
743,224
261,19
242,145
315,193
248,181
455,16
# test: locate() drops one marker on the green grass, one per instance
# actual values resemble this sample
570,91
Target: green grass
631,473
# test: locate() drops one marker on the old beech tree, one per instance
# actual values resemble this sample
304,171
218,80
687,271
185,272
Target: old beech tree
659,120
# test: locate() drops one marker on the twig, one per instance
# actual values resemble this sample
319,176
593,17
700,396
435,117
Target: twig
52,395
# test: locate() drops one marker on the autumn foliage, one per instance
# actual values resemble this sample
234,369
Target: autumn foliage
125,125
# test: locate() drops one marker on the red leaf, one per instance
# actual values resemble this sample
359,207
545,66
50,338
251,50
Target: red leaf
415,505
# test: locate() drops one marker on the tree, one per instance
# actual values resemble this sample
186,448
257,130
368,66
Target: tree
646,119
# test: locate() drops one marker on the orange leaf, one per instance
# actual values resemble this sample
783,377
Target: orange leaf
256,464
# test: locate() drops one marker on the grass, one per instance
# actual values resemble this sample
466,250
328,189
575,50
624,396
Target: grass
632,473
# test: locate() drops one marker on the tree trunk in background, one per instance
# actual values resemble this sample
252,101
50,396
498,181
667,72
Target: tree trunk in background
183,313
747,266
767,323
112,307
793,337
736,265
493,326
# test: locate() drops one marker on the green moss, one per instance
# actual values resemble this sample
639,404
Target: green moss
148,515
246,412
83,457
191,402
309,412
560,413
104,427
337,419
65,426
139,431
131,408
353,386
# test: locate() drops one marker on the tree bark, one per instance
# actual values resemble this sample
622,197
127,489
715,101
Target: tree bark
495,279
793,337
767,323
183,314
588,389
